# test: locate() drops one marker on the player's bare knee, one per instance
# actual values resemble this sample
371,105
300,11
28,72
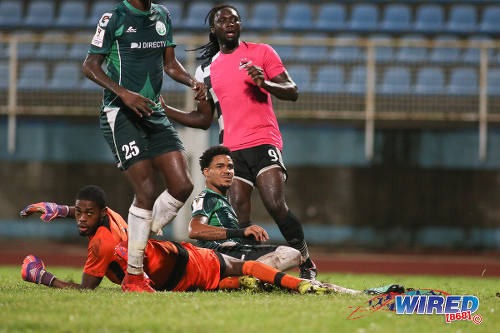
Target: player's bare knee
183,191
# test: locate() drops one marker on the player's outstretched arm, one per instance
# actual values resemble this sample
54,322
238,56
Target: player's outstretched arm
136,102
33,270
281,86
48,210
199,229
202,117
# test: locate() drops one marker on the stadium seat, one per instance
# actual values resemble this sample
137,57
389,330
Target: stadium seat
72,14
330,79
242,9
430,81
265,16
364,17
383,54
444,55
11,13
176,13
396,80
396,18
490,22
195,17
312,53
4,47
48,49
25,49
66,76
4,76
347,53
40,14
298,17
33,76
357,80
301,75
494,82
284,50
170,85
89,85
462,19
429,18
78,51
411,54
331,17
472,55
97,10
463,81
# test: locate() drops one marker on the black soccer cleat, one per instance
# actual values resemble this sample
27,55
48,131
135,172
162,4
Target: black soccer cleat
392,288
308,270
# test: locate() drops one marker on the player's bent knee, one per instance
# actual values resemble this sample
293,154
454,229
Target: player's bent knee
283,258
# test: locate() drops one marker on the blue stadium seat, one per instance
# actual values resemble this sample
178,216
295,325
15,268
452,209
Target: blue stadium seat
170,85
4,48
445,55
97,10
265,16
89,85
33,76
26,49
463,81
72,14
195,17
176,12
364,17
429,18
242,9
330,80
383,54
411,54
357,80
396,80
4,75
490,22
40,14
287,52
48,49
331,17
11,13
347,53
430,81
462,19
78,51
298,17
472,55
494,82
301,75
396,18
66,76
310,53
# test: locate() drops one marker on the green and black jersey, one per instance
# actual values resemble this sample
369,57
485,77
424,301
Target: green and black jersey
220,213
134,43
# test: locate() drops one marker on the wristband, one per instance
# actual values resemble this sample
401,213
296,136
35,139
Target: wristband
62,210
235,233
46,278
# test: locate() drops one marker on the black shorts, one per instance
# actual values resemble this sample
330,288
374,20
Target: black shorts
251,162
246,252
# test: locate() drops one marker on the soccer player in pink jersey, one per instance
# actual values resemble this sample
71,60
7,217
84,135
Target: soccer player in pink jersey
241,77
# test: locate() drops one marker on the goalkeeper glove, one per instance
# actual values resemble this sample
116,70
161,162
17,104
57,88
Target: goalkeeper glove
33,270
49,210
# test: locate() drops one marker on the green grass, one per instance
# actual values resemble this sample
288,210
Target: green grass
25,307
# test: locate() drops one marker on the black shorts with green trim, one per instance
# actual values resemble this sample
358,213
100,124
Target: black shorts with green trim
246,252
134,139
251,162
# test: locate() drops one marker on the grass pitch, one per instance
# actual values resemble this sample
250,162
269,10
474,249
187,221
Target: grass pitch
25,307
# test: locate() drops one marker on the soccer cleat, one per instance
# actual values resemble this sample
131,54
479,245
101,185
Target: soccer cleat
309,287
391,288
249,282
136,283
308,270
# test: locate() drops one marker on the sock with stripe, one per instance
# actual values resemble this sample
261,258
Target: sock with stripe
268,274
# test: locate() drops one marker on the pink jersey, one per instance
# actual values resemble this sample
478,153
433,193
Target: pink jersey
246,116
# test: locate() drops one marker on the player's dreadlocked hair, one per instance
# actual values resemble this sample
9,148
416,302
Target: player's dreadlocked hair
212,47
93,193
209,154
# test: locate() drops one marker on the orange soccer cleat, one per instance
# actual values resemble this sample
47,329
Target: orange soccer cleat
136,283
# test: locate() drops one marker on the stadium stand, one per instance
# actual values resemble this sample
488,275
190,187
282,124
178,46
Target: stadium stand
66,76
429,18
330,79
396,18
10,14
33,76
429,81
463,81
396,80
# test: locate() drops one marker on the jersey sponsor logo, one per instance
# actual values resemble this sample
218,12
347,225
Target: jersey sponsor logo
98,38
245,62
148,45
103,22
197,204
160,28
131,29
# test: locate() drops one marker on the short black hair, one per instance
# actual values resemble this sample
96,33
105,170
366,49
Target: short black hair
93,193
209,154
